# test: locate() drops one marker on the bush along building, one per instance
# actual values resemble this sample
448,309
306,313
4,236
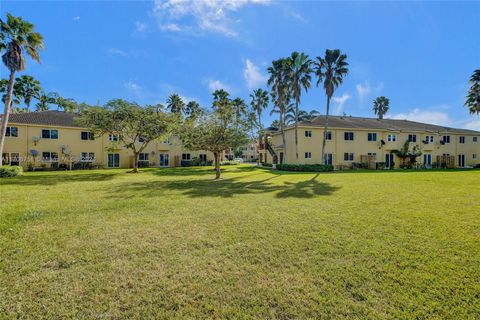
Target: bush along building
354,142
53,139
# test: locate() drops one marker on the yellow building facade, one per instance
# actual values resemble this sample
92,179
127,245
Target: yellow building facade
41,139
352,140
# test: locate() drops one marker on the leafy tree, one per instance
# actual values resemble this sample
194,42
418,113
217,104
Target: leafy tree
16,36
175,104
405,153
67,104
275,124
17,96
281,94
134,125
45,100
217,131
28,87
331,70
381,106
299,77
193,109
473,96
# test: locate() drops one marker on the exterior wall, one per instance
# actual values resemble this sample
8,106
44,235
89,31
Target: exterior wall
249,152
361,146
69,139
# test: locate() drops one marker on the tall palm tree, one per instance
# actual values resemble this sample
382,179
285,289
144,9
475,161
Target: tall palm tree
16,94
381,106
193,109
45,100
29,88
67,104
299,78
259,103
331,70
16,36
175,104
473,96
281,94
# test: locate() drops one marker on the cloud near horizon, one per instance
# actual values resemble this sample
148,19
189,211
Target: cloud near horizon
252,75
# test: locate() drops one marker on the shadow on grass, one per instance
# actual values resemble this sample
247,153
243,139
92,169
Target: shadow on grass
227,188
53,178
199,171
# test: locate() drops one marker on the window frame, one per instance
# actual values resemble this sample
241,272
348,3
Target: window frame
89,136
308,155
308,133
349,136
461,139
8,133
349,157
50,136
391,137
372,136
446,139
185,158
412,138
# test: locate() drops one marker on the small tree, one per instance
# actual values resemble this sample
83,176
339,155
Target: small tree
473,96
134,125
406,154
220,130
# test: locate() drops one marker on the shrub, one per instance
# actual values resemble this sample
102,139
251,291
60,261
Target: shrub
359,165
229,163
267,164
381,165
195,162
10,171
305,167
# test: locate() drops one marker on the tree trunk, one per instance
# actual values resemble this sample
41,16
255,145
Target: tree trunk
135,162
325,131
296,128
282,128
217,165
6,114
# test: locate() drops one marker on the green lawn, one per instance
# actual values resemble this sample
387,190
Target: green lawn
172,243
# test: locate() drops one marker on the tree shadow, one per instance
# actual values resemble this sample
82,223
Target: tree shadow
198,171
55,177
226,188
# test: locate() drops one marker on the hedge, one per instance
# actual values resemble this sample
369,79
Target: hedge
10,171
305,167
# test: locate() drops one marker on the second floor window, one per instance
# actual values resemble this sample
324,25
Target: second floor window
461,139
308,133
329,135
85,135
474,139
446,139
372,136
348,136
391,138
113,137
49,134
429,139
11,132
412,138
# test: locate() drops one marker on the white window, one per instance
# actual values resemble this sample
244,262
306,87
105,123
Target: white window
308,155
113,137
474,156
328,158
461,139
428,139
11,158
392,138
347,156
329,135
113,160
143,157
185,156
11,132
348,136
412,138
372,136
374,154
49,134
446,139
87,157
49,156
85,135
308,133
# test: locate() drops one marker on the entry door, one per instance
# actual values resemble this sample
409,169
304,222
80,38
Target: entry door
427,160
461,160
389,157
163,159
329,158
113,160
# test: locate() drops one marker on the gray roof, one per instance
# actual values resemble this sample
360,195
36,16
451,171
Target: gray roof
49,118
349,122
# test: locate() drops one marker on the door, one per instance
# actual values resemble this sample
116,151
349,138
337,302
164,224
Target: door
461,160
427,160
281,157
329,159
113,160
389,160
163,159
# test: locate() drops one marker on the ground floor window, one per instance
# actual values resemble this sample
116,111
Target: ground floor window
308,155
50,156
474,156
185,156
427,160
373,154
203,157
389,160
11,158
87,157
163,159
113,160
347,156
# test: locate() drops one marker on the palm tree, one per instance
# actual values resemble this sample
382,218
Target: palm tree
175,104
281,94
16,35
299,77
330,70
380,106
67,104
29,88
275,124
240,109
259,103
45,100
193,109
473,96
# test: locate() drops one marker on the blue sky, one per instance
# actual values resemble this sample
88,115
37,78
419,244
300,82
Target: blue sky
419,54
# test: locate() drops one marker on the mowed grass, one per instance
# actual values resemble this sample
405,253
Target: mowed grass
172,243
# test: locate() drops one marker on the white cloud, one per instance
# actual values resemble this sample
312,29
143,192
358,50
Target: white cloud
426,116
117,52
203,15
217,85
141,27
252,75
472,124
339,102
76,18
363,90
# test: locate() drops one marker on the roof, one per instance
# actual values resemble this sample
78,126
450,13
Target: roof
349,122
50,118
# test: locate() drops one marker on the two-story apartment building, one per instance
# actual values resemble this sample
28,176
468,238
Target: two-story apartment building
350,138
44,138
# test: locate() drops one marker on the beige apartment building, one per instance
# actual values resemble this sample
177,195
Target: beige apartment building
354,139
42,139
